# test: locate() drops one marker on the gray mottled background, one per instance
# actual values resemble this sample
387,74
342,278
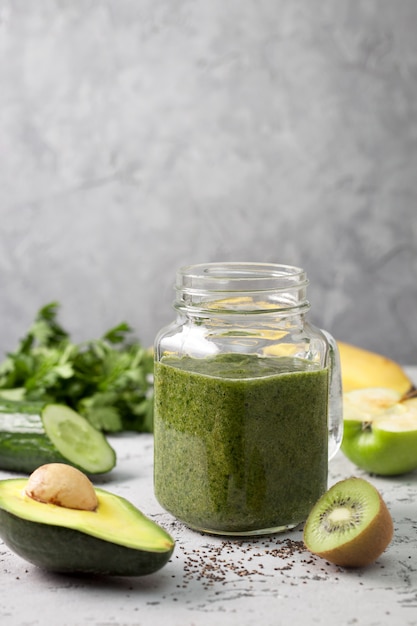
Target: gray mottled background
140,135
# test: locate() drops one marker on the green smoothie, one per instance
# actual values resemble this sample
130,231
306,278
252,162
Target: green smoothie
240,441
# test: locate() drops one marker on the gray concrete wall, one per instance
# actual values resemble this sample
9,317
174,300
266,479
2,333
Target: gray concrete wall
140,135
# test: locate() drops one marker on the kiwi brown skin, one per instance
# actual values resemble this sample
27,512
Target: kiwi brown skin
362,549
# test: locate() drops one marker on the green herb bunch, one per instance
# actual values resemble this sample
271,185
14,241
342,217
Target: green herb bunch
108,380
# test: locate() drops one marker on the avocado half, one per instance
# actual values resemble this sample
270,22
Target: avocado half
116,539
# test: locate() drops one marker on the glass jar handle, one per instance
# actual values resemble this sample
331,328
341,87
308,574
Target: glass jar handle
335,397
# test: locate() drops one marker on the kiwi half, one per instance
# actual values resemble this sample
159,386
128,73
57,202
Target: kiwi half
350,525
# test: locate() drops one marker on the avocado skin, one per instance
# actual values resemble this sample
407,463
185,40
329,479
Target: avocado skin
65,550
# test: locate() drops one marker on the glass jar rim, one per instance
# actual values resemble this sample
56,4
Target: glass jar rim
240,276
233,287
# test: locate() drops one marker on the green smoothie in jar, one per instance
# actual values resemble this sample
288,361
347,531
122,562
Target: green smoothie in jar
247,399
240,440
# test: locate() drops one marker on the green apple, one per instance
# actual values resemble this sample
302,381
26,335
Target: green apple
380,430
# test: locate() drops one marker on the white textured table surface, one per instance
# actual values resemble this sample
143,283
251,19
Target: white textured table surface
271,581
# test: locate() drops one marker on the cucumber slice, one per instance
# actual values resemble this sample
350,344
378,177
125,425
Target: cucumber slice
76,440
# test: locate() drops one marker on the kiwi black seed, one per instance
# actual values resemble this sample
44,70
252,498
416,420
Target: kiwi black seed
350,525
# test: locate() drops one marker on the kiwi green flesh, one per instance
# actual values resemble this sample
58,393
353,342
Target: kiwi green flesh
341,515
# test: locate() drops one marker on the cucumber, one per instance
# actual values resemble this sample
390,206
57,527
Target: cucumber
32,434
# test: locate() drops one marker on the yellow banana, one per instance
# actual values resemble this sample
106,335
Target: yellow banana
362,369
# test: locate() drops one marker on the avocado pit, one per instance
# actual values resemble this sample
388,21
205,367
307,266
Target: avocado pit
62,485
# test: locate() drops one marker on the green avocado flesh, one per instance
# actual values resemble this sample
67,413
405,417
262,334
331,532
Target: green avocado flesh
115,539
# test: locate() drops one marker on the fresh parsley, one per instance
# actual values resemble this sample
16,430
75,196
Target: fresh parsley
108,380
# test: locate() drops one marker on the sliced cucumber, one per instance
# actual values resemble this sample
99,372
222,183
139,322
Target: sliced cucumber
32,435
78,442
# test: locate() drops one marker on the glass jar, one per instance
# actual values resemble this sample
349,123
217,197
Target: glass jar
247,401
